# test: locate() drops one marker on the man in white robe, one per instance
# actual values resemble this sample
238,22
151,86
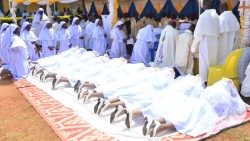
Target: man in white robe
47,38
30,40
63,37
89,32
165,55
99,38
206,39
18,53
184,60
118,47
229,33
76,33
38,21
145,40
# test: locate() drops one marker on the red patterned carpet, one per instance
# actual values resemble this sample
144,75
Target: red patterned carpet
69,126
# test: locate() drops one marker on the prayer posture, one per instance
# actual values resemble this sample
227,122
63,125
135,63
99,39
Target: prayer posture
38,21
229,33
18,53
206,39
99,38
89,32
47,38
63,37
165,55
184,60
76,33
118,48
145,39
30,40
4,50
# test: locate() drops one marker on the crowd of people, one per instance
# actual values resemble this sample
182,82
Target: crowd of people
60,49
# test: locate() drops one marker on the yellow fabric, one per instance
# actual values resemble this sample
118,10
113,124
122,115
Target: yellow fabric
179,6
228,70
230,4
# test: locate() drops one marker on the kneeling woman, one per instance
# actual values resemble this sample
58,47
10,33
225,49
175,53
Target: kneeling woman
18,53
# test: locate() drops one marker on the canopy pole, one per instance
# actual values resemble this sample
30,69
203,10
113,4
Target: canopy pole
199,8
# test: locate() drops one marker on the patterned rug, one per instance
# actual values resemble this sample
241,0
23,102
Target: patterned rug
69,126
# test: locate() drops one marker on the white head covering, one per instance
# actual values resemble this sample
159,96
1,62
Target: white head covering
9,35
118,23
4,26
45,24
25,24
40,9
146,33
74,20
61,24
96,22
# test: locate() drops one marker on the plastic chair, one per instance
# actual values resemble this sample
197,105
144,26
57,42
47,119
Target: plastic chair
228,70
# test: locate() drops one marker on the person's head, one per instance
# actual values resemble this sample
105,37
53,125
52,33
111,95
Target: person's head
48,25
100,23
173,16
64,26
28,27
223,7
207,4
17,31
24,17
77,22
40,11
192,28
172,23
163,15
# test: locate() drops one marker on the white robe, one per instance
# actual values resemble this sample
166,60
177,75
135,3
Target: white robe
47,37
28,37
63,37
118,47
206,40
183,57
145,39
4,50
75,33
99,41
88,35
19,56
245,88
229,35
165,54
38,23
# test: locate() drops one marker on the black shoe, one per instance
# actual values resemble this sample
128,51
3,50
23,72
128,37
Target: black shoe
112,117
144,129
97,105
103,104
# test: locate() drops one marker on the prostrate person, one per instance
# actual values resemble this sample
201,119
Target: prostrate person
206,36
145,40
89,32
184,60
118,47
63,37
229,33
30,40
76,33
18,53
47,38
38,21
4,51
165,55
99,38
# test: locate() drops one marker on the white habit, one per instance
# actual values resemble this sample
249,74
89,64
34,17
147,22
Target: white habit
229,35
63,37
75,33
99,40
88,35
38,21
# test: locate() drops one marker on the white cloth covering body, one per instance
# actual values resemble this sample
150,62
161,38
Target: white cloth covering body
99,41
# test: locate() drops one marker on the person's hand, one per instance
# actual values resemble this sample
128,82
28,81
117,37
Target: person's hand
51,48
81,37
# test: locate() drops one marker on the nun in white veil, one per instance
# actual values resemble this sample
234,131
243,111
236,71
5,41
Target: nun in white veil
18,53
30,40
47,38
76,33
38,21
145,39
99,38
63,37
4,55
118,47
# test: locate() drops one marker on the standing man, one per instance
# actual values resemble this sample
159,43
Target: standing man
229,33
206,36
165,55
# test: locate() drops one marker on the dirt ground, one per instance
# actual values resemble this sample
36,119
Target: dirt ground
20,121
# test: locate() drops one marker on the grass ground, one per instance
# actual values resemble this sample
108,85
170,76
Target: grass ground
20,121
